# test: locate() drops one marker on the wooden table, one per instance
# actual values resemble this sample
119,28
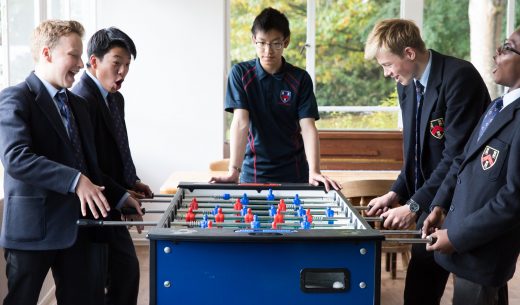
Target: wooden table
170,185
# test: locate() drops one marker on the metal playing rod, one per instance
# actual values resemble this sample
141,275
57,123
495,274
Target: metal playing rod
428,240
92,222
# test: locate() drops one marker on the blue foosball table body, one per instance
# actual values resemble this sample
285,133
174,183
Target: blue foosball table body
335,261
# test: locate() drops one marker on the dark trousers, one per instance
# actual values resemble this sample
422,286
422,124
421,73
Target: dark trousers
115,268
425,279
26,271
469,293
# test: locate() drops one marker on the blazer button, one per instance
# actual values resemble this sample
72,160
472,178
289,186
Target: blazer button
458,180
452,208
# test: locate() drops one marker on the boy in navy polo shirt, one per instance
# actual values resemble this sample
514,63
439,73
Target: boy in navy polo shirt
273,135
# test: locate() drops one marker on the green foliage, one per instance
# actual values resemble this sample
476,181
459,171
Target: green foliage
446,27
342,120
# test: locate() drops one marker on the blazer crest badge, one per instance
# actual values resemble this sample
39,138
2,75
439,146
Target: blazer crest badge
437,128
489,157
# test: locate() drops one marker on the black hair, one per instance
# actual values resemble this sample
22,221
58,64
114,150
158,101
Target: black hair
105,39
271,19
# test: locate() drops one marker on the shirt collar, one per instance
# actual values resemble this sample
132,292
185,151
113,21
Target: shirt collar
260,72
426,73
104,92
510,97
50,88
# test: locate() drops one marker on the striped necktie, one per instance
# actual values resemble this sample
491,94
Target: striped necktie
490,115
129,172
72,130
419,88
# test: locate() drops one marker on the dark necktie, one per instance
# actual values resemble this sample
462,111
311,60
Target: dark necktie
490,115
130,176
72,130
419,88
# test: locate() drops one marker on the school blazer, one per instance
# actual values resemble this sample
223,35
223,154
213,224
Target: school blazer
39,212
481,194
108,153
455,98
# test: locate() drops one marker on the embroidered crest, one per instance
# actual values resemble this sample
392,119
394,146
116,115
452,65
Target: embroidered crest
285,96
437,128
489,157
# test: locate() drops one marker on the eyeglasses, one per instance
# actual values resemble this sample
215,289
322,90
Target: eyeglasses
262,45
506,47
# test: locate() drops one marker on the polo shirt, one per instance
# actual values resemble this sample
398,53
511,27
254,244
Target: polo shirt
276,103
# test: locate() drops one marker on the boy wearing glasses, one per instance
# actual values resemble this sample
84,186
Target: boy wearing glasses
441,99
273,132
476,215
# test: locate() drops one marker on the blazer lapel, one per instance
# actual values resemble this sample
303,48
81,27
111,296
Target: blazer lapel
432,93
45,102
502,118
107,118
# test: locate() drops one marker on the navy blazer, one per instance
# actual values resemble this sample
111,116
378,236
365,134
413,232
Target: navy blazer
455,98
38,158
482,196
109,157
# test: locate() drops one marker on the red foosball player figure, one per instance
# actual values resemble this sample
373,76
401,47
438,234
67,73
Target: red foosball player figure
282,206
194,204
249,216
190,216
220,216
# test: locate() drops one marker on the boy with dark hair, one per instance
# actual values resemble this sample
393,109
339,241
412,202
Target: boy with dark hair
273,132
47,150
475,214
110,52
441,99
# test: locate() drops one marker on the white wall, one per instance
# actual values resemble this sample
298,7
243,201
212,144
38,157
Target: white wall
175,88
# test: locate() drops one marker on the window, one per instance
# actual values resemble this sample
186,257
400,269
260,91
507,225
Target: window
19,18
350,91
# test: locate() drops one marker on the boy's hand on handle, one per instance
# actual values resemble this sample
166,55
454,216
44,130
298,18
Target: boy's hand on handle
91,195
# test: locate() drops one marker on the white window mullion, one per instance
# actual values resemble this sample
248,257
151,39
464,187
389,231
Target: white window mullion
510,27
4,82
40,11
413,10
310,45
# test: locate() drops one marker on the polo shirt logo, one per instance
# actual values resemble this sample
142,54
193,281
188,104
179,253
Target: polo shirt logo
489,157
285,96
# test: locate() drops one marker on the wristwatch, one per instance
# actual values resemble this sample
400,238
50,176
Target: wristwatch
413,206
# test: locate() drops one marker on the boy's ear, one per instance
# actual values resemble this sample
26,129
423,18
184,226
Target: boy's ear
46,54
93,60
287,40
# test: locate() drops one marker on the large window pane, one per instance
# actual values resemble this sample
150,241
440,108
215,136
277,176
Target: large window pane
21,24
343,76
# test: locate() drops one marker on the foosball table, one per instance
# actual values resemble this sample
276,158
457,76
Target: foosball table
263,244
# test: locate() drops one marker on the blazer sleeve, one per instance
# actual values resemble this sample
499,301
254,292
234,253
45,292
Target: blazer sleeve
466,97
18,157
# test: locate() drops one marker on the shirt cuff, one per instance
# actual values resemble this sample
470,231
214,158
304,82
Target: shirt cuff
72,188
121,202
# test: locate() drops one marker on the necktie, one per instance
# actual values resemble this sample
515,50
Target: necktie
490,115
419,88
72,130
130,176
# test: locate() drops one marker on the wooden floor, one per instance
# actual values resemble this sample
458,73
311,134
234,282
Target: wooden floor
391,290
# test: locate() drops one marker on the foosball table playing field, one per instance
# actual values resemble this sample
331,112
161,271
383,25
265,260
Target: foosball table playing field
263,244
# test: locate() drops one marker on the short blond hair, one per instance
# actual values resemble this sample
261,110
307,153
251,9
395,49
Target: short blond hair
49,32
393,35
